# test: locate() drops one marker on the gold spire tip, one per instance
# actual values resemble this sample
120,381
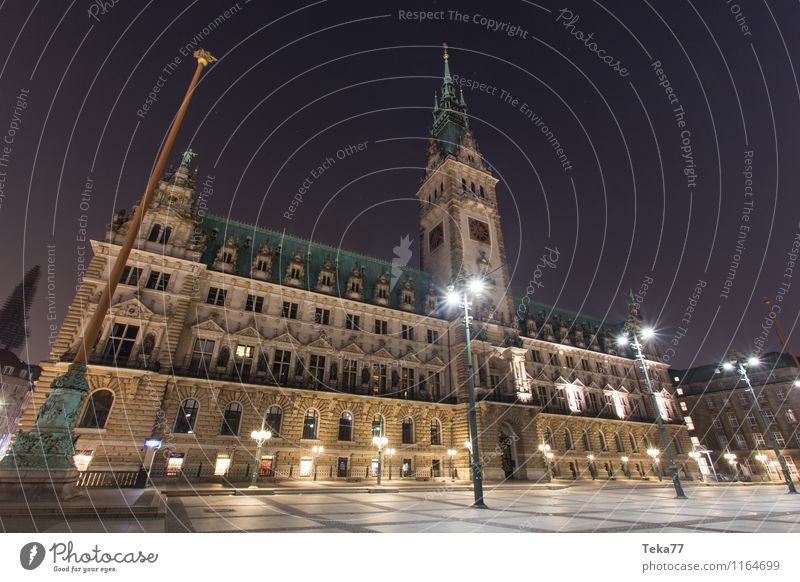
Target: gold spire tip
204,57
444,46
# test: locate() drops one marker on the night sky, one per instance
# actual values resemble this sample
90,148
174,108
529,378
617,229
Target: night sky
657,134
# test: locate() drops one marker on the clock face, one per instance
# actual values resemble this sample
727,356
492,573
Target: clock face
478,230
436,236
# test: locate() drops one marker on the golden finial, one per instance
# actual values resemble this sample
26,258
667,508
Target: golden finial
204,57
444,45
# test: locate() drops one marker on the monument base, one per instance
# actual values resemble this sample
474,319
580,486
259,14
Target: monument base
26,486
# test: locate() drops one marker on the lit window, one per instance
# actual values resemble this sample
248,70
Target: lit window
175,464
82,459
222,465
689,422
305,467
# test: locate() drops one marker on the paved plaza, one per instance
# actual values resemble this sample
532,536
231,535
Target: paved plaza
581,508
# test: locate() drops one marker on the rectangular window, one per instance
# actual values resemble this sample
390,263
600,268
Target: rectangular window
717,423
537,356
175,464
585,364
695,442
684,407
120,343
770,416
741,442
222,465
433,336
722,440
779,439
780,394
158,281
435,385
305,467
216,296
289,310
570,362
350,373
316,367
689,422
614,369
407,382
758,440
751,420
254,303
201,355
352,321
280,366
743,398
407,332
378,378
322,316
130,276
381,326
709,403
734,422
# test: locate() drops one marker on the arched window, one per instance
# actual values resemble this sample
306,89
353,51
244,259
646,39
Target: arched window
587,444
155,232
634,446
165,235
618,443
436,432
274,419
231,419
603,442
548,438
568,444
647,443
187,417
377,425
677,446
408,431
310,424
97,409
346,426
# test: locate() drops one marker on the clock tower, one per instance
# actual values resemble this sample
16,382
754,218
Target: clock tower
459,221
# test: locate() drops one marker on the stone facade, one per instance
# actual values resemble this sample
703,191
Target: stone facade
722,418
218,328
16,385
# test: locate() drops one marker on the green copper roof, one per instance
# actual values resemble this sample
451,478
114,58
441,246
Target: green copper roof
250,238
449,114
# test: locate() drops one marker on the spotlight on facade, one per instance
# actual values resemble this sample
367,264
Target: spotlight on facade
728,366
475,285
797,382
468,445
753,361
648,332
622,341
624,459
761,458
452,297
653,452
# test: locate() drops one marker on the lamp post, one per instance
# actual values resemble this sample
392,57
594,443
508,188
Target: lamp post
736,362
762,458
654,453
592,468
631,327
452,454
260,436
468,446
625,469
731,458
461,299
40,462
380,442
316,450
390,453
544,448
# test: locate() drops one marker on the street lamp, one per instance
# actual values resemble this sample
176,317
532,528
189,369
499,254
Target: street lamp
544,448
592,469
452,454
316,450
736,362
390,453
762,458
260,436
475,286
731,458
630,329
654,453
380,442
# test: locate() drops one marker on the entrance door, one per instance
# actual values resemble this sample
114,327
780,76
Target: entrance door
507,459
341,467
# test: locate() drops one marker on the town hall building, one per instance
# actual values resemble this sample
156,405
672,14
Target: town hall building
218,328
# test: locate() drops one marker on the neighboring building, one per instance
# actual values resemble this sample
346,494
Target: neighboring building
16,386
218,326
722,418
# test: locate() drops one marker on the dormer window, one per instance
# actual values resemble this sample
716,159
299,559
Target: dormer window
382,293
355,287
261,265
464,184
227,257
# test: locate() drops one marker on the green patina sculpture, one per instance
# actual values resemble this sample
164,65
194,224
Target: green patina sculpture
187,157
49,445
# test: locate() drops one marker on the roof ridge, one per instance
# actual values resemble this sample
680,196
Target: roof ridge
313,242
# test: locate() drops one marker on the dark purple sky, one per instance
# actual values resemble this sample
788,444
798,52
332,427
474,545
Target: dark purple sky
295,84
